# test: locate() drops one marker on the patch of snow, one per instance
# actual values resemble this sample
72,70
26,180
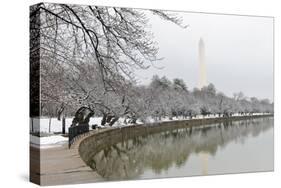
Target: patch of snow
56,126
48,141
53,125
42,124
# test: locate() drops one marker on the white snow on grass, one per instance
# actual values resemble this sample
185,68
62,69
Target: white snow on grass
54,140
53,125
48,141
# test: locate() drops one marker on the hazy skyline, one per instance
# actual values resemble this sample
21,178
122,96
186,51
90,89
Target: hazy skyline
238,50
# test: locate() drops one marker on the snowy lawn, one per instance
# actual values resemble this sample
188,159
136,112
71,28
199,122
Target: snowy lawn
52,125
49,126
46,127
48,141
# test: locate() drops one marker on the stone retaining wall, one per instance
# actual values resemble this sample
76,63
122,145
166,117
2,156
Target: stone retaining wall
95,142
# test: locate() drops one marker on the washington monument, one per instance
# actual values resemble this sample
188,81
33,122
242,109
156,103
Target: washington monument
202,66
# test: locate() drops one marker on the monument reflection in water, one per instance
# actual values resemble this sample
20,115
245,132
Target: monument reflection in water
230,147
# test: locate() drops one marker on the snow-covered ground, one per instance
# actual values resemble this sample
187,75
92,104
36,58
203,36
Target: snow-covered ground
51,126
48,141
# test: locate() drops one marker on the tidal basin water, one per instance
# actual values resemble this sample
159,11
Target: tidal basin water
229,147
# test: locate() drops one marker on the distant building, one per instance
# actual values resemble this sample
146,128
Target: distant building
202,66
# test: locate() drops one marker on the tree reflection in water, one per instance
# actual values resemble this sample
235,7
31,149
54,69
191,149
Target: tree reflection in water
158,152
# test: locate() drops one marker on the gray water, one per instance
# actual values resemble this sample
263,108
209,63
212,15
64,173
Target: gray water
230,147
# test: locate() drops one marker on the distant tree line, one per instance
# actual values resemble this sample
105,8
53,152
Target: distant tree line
171,98
161,98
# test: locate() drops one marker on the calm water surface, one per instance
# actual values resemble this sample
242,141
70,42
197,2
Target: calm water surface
230,147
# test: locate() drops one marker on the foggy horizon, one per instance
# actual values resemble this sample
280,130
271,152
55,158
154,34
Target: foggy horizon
238,52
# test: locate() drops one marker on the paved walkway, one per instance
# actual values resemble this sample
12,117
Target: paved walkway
62,166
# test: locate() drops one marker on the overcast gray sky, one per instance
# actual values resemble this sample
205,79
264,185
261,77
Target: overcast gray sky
239,52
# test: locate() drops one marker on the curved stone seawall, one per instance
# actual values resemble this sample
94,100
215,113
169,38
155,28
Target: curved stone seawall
97,141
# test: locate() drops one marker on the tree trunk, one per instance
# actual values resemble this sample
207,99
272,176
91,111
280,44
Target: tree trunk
32,129
109,118
103,121
134,120
113,121
125,121
63,125
50,121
